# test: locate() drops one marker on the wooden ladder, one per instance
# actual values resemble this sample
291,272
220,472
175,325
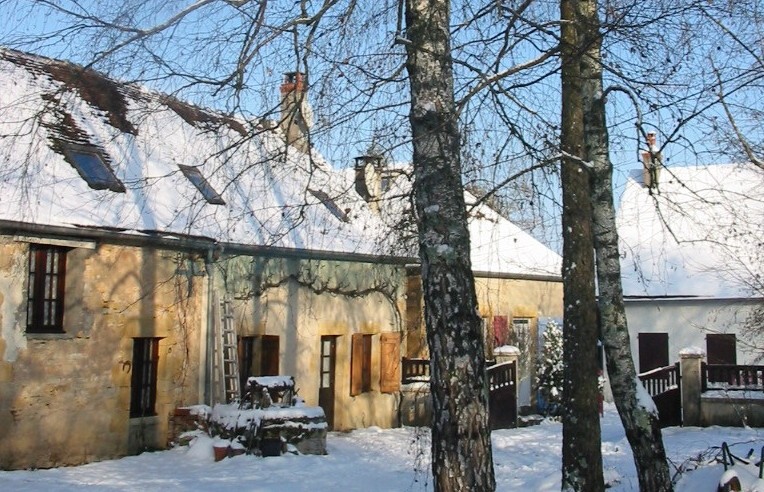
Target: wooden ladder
229,353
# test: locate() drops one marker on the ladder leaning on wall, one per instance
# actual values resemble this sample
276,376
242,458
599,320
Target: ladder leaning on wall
228,353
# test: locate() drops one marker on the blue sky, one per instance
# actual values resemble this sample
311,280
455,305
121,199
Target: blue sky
353,108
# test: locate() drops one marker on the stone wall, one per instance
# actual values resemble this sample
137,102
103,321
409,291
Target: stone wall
65,398
726,407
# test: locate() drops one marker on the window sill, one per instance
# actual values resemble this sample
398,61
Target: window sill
49,335
148,419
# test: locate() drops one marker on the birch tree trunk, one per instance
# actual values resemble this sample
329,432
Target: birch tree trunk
641,423
581,446
461,441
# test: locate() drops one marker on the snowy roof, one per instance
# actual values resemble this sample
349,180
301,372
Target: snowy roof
166,157
500,246
497,245
699,234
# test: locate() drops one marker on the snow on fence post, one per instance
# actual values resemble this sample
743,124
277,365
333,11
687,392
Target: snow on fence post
690,359
506,353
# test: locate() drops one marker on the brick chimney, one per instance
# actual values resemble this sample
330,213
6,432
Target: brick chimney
296,115
368,179
652,161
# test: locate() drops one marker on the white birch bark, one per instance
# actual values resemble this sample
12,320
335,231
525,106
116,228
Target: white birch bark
461,444
641,424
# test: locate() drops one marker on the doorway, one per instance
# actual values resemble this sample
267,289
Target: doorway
327,375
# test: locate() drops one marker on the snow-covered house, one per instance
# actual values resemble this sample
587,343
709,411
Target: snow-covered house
517,278
125,217
691,259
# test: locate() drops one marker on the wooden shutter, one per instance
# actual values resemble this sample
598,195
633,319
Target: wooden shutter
500,330
356,365
653,351
721,348
390,362
269,362
246,349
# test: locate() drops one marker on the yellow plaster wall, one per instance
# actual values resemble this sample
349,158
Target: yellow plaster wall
535,299
299,316
513,298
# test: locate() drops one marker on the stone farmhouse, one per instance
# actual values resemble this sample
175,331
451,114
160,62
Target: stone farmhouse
517,278
131,222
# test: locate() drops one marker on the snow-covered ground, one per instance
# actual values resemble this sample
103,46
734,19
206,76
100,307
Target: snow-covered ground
393,460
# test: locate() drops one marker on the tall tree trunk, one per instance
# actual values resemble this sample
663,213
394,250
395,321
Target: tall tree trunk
641,423
461,440
581,446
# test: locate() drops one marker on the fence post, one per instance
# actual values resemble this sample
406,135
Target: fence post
506,353
690,360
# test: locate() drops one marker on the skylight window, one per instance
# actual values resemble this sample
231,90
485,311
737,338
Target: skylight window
208,192
91,166
329,203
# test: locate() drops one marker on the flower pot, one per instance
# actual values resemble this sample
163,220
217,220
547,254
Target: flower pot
221,451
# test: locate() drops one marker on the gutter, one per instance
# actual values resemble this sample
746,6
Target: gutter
518,276
690,298
415,269
187,242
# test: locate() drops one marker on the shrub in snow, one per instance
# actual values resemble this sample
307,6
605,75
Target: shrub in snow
549,371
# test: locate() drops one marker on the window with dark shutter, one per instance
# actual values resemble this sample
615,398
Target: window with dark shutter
721,348
653,351
389,362
143,385
45,297
360,361
269,359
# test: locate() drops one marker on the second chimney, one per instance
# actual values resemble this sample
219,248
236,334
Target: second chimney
652,161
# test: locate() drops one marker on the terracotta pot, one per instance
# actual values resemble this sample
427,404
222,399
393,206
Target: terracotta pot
221,452
182,412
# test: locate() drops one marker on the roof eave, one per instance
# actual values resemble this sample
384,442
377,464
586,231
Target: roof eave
182,242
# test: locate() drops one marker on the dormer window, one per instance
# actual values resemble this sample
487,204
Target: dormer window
329,203
90,164
208,192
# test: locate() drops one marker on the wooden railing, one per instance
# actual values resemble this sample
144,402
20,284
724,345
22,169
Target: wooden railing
413,370
731,376
661,379
501,375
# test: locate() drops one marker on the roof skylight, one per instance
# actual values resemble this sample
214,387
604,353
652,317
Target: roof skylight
329,203
208,192
91,166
